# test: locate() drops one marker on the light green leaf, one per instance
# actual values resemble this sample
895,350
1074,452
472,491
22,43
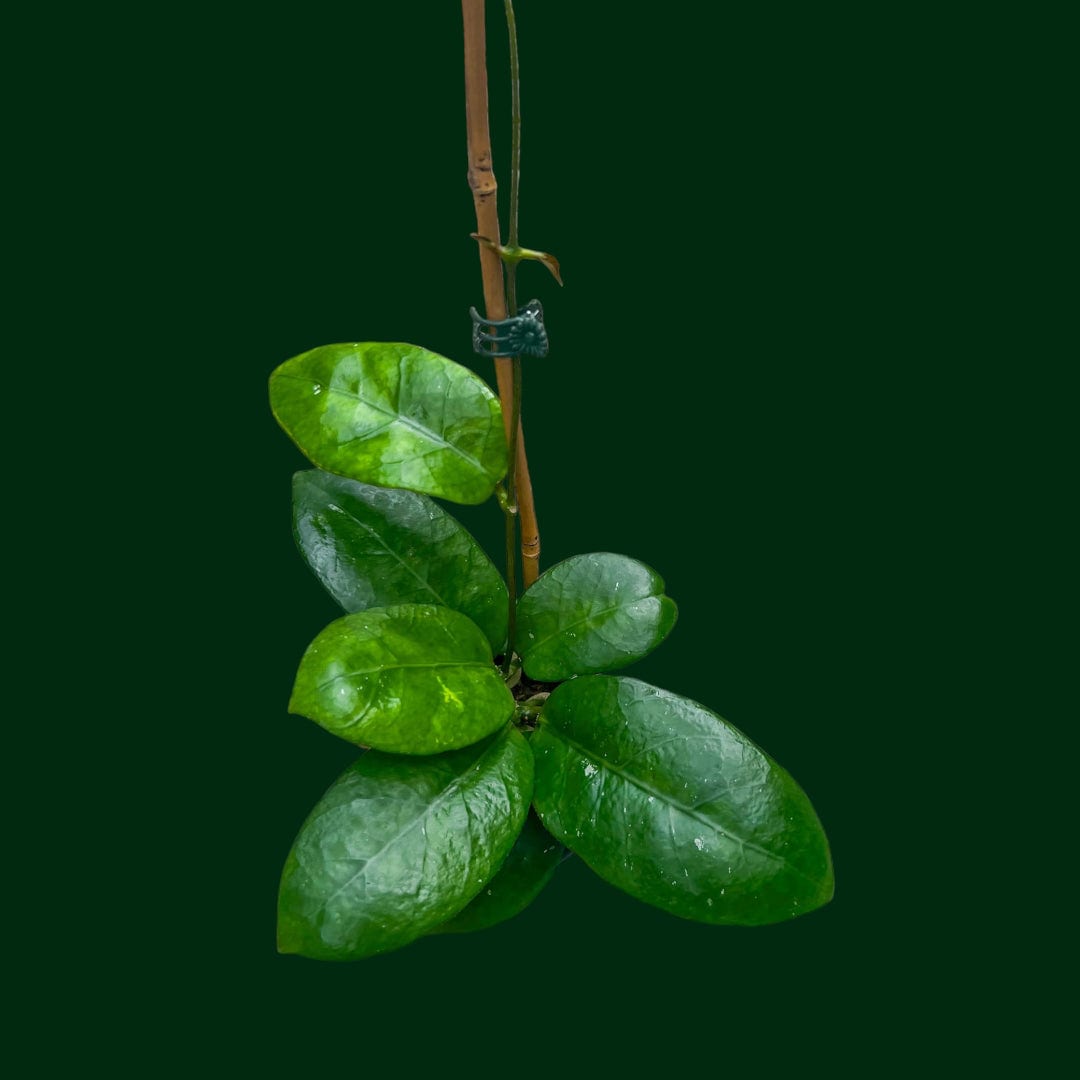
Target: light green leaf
395,415
591,613
408,679
373,546
528,868
669,802
399,845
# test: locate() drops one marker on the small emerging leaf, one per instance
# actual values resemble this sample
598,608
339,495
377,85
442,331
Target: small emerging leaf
373,546
395,415
513,255
549,261
592,613
399,845
528,868
669,802
408,679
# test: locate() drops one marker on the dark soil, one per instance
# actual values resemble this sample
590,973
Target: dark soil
527,687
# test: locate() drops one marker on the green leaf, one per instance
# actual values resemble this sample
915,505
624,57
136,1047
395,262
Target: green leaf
395,415
408,679
528,868
669,802
399,845
373,546
591,613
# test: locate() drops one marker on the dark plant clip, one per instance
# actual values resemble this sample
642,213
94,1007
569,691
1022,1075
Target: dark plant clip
521,335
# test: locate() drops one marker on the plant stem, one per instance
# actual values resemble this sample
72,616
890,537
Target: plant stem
484,189
515,145
511,268
510,531
520,484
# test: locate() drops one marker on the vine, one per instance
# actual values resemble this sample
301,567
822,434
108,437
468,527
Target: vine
478,776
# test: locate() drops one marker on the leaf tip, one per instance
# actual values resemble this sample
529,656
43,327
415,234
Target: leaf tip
553,265
296,704
669,616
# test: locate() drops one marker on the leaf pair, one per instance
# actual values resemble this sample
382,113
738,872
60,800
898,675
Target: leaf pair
657,794
411,670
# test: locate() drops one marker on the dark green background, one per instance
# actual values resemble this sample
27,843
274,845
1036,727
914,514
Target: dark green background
758,384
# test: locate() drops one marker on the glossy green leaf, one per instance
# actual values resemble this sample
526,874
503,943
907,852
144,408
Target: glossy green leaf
592,613
395,415
528,868
669,802
399,845
408,679
373,546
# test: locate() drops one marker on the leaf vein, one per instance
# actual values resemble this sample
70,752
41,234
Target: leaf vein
390,551
689,811
395,417
443,796
394,667
564,627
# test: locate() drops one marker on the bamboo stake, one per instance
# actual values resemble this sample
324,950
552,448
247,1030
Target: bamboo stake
484,189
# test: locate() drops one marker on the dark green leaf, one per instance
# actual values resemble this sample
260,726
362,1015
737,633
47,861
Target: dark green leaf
399,845
395,415
591,613
528,868
409,679
669,802
373,546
